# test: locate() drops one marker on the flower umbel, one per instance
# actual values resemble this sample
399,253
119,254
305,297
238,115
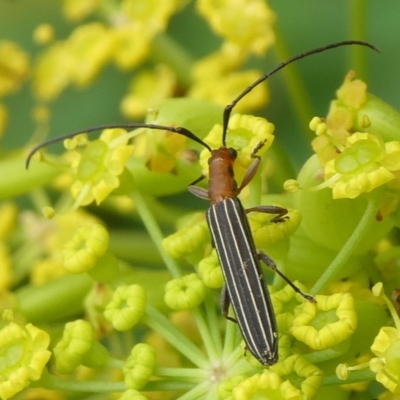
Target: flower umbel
387,366
147,90
386,347
83,251
126,307
14,66
245,133
118,263
75,344
78,347
99,165
365,164
139,366
294,378
341,120
23,356
247,25
184,293
329,321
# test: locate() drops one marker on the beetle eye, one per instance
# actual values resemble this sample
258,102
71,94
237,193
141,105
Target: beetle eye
232,152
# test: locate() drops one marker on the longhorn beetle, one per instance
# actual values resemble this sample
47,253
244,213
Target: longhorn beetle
244,287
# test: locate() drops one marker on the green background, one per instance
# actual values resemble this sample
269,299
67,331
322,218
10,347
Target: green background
303,25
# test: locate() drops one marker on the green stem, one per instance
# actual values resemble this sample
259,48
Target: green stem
154,231
143,252
327,354
56,383
354,377
350,245
298,93
167,385
232,349
393,312
205,334
198,392
55,300
16,180
193,374
115,364
174,336
23,257
166,50
357,18
213,322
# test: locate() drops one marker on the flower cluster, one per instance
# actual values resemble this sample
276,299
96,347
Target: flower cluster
354,160
93,306
14,68
131,34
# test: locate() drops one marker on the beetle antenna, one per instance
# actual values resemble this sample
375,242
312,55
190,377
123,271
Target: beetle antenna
179,130
229,107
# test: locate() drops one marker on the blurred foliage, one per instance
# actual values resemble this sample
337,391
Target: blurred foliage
313,24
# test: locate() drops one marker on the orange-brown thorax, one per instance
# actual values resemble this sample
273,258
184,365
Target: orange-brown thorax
222,184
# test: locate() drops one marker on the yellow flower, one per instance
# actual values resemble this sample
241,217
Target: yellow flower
23,357
217,64
221,89
245,132
99,165
210,271
78,59
127,307
43,34
328,143
148,89
365,164
333,132
352,93
191,237
387,366
6,270
184,293
244,23
161,151
8,218
151,15
73,347
343,111
139,366
329,321
14,65
83,251
294,379
90,46
301,374
50,236
285,302
131,45
75,10
267,233
51,74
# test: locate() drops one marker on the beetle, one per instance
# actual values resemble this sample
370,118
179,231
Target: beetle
245,288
